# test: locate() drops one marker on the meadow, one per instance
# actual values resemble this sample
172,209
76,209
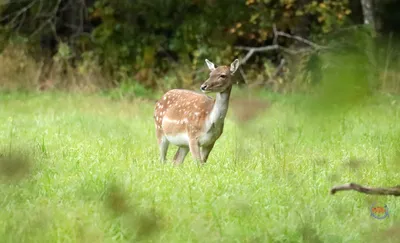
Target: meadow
85,168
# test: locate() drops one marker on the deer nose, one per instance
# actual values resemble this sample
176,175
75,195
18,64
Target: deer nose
203,87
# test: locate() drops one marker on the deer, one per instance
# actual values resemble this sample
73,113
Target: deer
194,121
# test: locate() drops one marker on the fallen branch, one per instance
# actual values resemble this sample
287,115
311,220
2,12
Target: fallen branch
252,50
273,76
243,75
277,71
301,39
392,191
275,46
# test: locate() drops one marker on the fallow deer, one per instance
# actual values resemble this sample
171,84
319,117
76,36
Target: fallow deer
194,121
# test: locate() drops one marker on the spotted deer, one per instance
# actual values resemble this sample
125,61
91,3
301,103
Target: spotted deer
194,121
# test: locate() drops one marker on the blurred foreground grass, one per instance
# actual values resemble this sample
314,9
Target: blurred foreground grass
87,170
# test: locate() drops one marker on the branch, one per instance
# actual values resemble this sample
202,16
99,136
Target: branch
393,191
50,20
277,71
276,46
243,75
275,41
274,75
39,10
18,13
7,2
298,38
252,50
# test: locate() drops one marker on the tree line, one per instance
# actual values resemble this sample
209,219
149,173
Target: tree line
141,41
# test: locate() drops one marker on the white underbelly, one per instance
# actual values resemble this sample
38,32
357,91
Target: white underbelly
181,139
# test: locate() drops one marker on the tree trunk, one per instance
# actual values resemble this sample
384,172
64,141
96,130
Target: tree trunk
368,12
370,45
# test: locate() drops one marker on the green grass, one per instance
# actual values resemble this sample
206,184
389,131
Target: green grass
86,169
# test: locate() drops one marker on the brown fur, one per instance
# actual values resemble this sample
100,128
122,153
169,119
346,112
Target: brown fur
186,108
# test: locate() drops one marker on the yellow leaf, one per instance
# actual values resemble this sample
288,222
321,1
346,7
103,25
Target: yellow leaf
238,25
322,5
254,17
286,14
321,19
347,12
263,34
249,2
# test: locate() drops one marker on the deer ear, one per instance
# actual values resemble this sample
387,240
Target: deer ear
210,65
234,66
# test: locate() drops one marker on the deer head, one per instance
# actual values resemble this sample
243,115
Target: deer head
220,78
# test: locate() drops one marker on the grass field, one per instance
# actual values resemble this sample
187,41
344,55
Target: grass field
80,168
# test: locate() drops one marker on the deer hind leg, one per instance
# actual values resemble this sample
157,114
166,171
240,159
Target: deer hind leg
180,155
205,152
163,144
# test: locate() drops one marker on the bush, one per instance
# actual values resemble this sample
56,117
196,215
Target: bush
102,43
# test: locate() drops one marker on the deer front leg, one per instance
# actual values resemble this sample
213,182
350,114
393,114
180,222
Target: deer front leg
195,149
205,152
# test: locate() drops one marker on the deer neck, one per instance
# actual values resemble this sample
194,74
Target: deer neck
220,108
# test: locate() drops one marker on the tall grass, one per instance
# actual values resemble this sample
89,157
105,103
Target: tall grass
88,171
